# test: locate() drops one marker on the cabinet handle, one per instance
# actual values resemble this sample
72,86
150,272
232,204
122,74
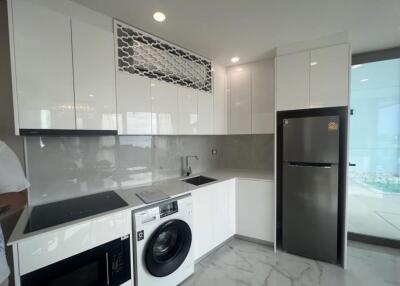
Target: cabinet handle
108,272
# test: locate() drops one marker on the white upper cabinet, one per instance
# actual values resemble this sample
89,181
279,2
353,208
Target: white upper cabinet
292,81
329,76
43,67
220,102
187,111
240,102
205,112
165,115
133,104
94,76
262,98
313,79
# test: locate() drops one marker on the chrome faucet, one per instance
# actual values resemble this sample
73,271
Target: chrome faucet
187,170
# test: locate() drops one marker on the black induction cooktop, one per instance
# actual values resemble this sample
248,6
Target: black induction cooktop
65,211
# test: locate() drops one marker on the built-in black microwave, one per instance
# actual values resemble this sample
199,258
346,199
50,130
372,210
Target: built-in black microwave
108,264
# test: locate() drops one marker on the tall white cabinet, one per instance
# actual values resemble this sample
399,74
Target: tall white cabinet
133,104
293,81
43,67
94,76
220,101
240,102
329,76
251,98
313,79
188,110
63,72
165,112
205,101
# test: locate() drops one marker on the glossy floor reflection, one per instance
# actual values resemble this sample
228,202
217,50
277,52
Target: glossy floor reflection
244,263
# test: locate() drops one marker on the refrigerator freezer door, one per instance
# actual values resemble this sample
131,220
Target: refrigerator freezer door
310,211
311,139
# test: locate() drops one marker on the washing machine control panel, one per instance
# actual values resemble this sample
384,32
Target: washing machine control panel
168,209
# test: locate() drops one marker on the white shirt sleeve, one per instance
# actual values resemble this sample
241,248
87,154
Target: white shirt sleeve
12,177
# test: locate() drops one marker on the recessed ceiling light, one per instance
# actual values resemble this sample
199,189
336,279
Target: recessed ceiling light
235,59
356,66
364,80
313,63
159,16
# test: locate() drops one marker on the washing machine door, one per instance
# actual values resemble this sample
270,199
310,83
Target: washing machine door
168,247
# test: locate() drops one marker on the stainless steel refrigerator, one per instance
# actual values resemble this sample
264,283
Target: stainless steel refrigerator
310,187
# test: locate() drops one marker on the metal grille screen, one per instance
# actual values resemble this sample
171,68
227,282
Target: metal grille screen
145,55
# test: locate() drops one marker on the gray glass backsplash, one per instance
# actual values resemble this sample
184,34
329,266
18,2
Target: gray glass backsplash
65,167
248,151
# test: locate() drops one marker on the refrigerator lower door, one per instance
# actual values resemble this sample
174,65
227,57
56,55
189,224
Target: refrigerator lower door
310,211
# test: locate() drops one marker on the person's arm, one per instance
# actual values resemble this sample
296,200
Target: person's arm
11,203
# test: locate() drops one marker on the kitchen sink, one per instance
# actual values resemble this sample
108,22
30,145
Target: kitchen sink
199,180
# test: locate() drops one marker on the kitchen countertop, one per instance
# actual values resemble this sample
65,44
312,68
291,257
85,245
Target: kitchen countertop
171,187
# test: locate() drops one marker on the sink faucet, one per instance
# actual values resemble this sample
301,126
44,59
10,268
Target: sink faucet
187,170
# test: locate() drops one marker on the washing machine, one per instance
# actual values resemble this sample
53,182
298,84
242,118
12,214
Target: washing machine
163,244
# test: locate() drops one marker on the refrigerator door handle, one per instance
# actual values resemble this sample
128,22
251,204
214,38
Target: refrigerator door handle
311,165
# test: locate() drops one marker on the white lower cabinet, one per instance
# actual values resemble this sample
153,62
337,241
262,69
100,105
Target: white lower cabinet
255,209
213,216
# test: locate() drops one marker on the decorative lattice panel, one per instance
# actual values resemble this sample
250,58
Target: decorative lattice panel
145,55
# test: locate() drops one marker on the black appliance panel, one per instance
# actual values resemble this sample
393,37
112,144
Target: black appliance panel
106,265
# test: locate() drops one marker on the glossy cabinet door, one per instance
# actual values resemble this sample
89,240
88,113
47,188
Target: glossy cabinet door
220,103
133,104
214,216
262,99
203,220
329,80
292,81
187,99
43,67
240,102
206,112
256,209
94,76
224,199
165,117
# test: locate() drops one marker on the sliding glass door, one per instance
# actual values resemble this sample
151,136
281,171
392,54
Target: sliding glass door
374,172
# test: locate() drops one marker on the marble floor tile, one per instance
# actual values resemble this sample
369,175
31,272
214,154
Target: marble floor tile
244,263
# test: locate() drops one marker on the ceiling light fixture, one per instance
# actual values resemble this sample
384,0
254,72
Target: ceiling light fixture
235,59
364,80
159,16
313,63
356,66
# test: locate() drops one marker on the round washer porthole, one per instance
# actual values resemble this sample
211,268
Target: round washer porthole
168,247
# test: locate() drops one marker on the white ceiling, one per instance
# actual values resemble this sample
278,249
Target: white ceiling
251,29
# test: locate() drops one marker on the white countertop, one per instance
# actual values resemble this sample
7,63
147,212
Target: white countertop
171,187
